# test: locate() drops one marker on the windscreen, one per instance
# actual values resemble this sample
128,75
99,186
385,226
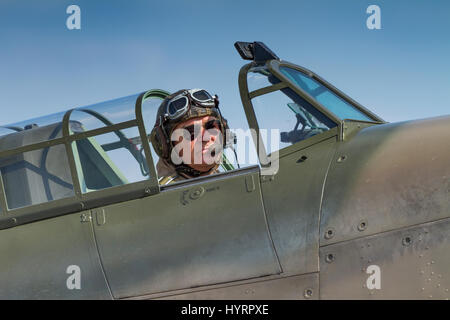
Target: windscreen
330,100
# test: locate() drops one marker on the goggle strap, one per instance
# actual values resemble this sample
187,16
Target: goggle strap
164,130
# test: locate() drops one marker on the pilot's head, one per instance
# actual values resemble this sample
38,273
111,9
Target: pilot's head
189,133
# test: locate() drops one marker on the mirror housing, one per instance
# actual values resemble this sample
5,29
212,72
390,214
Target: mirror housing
256,51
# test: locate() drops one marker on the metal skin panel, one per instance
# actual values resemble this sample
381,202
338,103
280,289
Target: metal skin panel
386,177
187,236
287,288
409,269
292,201
35,257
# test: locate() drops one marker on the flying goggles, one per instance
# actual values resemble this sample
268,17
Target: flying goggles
179,105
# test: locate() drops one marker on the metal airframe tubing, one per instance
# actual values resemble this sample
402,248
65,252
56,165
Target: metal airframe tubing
70,156
154,185
3,203
250,113
267,89
100,131
70,138
31,147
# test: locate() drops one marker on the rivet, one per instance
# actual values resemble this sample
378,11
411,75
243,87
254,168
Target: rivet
438,285
421,272
432,262
330,258
432,273
308,293
341,158
329,234
407,241
147,190
362,225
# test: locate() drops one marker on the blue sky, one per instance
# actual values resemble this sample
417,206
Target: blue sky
400,72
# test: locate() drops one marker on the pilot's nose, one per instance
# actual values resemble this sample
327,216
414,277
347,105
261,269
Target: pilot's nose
209,135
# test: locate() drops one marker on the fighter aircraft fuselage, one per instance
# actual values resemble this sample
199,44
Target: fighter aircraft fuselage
356,208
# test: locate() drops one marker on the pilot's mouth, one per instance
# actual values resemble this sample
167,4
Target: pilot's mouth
213,153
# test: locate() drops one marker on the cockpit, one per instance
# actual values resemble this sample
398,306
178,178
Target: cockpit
81,151
85,156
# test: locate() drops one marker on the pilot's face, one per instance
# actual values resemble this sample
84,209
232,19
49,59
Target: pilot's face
199,143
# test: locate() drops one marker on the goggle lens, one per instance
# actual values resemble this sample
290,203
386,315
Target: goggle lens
180,104
177,105
202,95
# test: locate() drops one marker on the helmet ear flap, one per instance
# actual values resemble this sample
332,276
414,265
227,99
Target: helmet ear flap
159,141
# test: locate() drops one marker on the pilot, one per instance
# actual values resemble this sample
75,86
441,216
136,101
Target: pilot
188,135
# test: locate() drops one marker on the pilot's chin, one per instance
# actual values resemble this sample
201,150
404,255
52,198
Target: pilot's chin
202,167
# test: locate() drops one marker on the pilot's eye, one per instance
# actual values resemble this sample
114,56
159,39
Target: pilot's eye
212,124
